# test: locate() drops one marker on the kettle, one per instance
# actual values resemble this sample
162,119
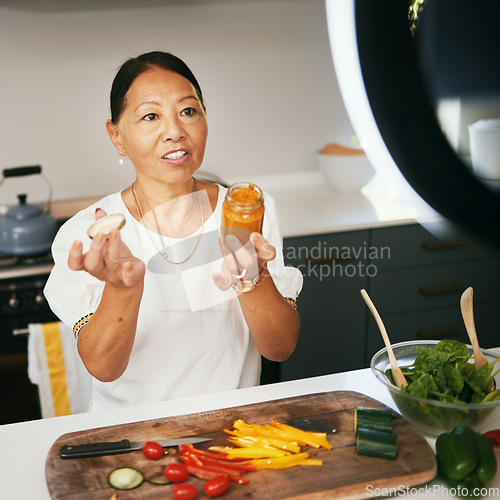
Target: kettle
26,230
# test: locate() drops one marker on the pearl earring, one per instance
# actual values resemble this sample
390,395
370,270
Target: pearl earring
121,160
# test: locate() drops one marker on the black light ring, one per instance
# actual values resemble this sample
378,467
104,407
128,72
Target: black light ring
408,124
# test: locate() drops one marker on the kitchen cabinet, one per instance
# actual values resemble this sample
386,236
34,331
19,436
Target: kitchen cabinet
417,291
332,311
414,279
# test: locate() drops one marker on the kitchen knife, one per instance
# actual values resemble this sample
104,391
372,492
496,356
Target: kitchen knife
123,446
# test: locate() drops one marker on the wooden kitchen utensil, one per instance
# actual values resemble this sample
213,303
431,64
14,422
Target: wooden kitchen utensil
397,374
468,316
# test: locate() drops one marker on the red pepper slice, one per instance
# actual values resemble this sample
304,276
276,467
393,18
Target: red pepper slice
189,448
223,469
202,472
236,467
194,459
220,449
205,465
221,456
208,473
493,437
190,459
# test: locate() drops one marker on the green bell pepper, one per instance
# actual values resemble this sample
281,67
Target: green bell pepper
486,460
466,460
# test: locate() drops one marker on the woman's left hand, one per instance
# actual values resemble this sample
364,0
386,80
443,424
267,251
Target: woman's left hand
242,261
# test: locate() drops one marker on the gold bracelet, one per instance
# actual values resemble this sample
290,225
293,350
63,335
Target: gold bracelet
80,324
244,286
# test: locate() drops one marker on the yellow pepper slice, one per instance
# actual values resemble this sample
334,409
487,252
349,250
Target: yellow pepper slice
278,435
314,439
246,439
284,462
256,452
312,461
265,430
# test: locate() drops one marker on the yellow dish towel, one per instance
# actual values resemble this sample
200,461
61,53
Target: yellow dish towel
64,385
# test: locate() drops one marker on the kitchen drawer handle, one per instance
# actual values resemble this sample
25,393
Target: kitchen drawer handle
442,245
323,260
447,332
20,332
441,290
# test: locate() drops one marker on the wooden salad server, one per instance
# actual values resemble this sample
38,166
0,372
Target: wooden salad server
397,374
468,316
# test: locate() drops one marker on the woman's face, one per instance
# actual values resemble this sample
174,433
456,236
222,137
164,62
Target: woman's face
163,128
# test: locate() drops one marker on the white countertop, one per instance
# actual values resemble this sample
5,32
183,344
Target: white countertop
24,446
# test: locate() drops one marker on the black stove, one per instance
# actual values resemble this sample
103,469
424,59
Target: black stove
21,293
22,302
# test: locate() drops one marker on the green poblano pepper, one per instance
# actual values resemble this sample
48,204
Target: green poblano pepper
465,459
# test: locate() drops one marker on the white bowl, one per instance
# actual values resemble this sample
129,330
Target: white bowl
484,138
345,173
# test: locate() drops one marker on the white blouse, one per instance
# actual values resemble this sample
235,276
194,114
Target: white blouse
191,337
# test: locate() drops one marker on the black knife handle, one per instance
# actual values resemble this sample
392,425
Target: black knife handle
95,449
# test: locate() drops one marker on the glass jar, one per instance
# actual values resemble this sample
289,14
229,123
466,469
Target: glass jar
242,211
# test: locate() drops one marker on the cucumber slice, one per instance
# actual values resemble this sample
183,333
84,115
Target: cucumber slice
125,478
379,419
377,443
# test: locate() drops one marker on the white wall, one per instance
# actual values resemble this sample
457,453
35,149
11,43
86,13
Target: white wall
265,69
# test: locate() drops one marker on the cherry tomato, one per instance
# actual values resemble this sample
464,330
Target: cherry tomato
152,450
217,486
185,491
177,473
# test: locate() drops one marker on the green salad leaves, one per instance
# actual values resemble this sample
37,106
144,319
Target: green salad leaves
447,373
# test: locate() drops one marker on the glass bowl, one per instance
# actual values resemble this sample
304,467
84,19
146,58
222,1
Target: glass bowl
429,416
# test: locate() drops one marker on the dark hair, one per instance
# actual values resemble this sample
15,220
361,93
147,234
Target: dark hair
134,67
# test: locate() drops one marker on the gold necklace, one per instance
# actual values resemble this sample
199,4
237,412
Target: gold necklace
163,252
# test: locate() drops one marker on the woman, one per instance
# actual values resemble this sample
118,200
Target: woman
152,305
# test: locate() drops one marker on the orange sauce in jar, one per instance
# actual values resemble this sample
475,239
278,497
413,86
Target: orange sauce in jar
242,211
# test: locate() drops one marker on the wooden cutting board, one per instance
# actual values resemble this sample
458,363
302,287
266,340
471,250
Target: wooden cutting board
344,474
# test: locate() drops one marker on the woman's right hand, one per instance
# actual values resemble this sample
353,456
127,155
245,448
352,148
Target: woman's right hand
108,259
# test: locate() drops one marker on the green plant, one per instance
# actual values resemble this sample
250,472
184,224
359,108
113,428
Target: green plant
414,10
